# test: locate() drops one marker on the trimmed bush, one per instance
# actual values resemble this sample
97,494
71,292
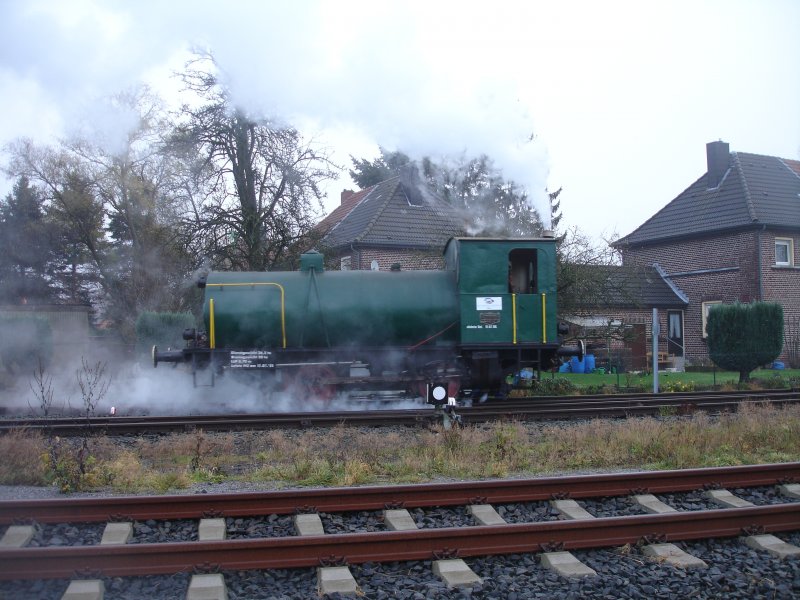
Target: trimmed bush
162,329
26,340
742,337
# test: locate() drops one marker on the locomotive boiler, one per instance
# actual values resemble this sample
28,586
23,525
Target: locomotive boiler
467,330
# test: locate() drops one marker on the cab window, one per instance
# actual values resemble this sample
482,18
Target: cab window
522,271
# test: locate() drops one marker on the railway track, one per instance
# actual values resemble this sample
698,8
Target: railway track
411,523
540,408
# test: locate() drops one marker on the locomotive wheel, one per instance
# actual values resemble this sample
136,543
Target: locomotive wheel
308,384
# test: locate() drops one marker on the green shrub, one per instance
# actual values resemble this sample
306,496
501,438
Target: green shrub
26,342
742,337
553,387
163,329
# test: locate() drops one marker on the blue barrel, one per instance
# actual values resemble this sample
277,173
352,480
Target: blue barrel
564,368
576,365
588,363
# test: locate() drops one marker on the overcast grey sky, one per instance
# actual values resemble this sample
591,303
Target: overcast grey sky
621,96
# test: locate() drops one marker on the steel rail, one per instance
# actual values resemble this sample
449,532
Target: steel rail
669,397
379,497
605,412
424,544
524,409
684,395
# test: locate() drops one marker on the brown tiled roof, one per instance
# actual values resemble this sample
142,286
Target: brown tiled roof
341,211
612,286
382,215
794,165
755,190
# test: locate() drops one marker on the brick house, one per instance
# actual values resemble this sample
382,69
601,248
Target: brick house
394,222
733,235
615,319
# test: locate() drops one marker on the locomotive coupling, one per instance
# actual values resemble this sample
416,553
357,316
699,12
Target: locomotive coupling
579,350
167,356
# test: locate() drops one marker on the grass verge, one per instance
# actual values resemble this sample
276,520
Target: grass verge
343,456
680,381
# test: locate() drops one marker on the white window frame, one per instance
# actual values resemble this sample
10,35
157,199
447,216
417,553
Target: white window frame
789,244
345,263
707,306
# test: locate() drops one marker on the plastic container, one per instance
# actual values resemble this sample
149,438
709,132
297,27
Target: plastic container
576,366
564,368
778,365
588,363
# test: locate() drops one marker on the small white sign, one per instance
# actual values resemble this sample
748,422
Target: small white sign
489,303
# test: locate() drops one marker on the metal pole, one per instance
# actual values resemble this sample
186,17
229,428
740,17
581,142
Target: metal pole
656,332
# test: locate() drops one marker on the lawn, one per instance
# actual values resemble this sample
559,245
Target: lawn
669,381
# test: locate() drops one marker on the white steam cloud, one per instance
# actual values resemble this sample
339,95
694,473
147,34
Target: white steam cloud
414,77
135,388
603,85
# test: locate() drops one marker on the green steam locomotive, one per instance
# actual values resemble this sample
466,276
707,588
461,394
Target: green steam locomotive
466,331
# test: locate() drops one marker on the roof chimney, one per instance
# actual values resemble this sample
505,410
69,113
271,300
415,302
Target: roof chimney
412,183
346,194
718,156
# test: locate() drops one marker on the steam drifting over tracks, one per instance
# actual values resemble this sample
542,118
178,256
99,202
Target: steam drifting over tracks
540,408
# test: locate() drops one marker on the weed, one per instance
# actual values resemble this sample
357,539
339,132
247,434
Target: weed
208,475
673,385
126,473
94,384
356,472
163,482
17,447
452,440
199,451
753,434
69,463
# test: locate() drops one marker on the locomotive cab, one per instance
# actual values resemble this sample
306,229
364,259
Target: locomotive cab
507,301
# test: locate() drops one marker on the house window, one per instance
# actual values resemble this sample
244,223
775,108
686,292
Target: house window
707,308
345,263
784,252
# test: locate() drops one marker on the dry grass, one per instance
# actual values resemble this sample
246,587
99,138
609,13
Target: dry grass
753,435
126,473
21,462
343,457
195,451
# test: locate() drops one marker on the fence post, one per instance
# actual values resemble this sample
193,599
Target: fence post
656,333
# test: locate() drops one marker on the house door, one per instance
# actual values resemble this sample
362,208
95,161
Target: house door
638,346
675,332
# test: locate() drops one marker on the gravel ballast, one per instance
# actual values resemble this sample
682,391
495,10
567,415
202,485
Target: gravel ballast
734,571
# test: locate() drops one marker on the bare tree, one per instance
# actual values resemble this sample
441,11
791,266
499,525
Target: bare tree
115,210
259,179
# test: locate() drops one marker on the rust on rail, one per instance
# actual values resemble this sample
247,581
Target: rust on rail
291,552
377,497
